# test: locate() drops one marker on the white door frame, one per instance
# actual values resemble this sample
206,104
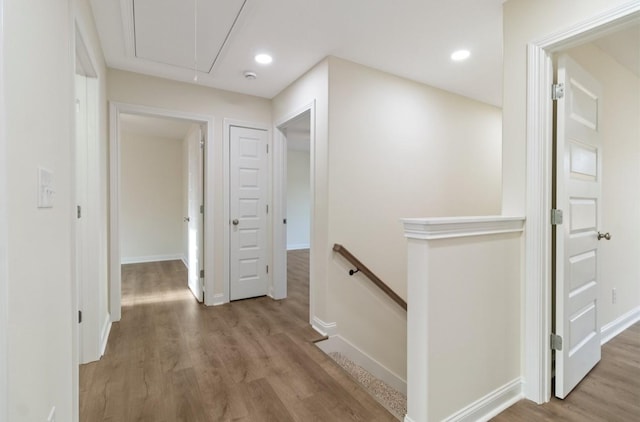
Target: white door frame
226,152
93,332
537,287
4,279
279,244
115,109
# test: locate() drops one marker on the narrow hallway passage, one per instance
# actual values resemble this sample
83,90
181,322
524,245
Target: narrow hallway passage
171,359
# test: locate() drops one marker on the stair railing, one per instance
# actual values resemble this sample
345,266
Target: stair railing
360,267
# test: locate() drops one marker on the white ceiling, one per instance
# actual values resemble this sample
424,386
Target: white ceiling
157,127
410,38
624,47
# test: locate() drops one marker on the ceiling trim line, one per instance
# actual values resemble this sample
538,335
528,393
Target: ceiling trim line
226,38
128,27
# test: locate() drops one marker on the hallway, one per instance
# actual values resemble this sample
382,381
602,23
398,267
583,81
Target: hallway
170,359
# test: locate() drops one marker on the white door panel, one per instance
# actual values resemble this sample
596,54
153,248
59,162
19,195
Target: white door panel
248,213
195,220
578,193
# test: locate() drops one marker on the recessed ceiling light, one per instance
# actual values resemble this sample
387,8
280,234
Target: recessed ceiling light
263,58
460,55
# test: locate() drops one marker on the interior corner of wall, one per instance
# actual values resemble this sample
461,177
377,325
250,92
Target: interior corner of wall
327,329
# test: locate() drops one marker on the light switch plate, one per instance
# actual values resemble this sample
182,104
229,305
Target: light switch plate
45,188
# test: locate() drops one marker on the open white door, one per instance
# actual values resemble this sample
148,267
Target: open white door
578,195
195,219
248,212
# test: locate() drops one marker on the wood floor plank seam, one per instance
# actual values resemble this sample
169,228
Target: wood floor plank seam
171,359
609,393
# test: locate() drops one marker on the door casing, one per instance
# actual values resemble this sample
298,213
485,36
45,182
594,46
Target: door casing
537,271
4,279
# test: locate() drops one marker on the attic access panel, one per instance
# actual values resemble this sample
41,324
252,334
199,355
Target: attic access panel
164,30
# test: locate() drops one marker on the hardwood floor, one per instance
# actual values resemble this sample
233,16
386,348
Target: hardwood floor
611,391
171,359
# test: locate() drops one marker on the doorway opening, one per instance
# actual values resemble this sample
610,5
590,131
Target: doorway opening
294,191
162,193
297,135
161,165
538,271
597,134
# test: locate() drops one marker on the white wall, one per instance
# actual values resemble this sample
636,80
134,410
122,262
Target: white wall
133,88
152,191
526,21
39,131
397,149
619,266
298,200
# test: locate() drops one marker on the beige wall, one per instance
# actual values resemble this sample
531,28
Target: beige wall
138,89
526,21
39,130
394,149
619,266
152,192
474,324
398,149
298,199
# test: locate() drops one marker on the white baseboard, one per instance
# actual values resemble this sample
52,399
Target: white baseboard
218,299
104,334
298,246
407,419
615,327
184,261
327,329
150,258
338,344
490,405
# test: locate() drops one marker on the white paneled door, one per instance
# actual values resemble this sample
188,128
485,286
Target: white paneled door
248,211
578,195
195,219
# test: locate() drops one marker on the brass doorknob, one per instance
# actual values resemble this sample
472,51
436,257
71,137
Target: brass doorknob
606,236
235,222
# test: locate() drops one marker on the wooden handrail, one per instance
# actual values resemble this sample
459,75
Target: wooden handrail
360,267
